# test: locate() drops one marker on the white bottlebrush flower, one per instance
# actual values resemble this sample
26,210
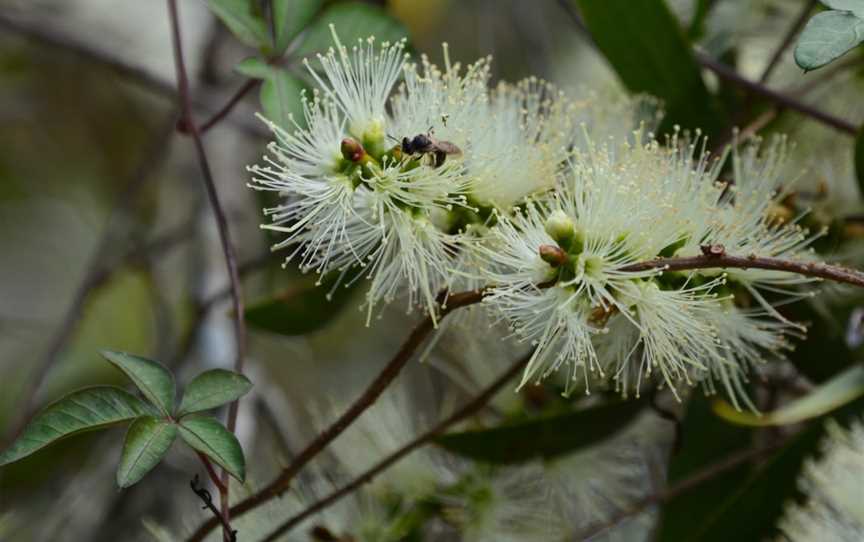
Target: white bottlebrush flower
559,267
834,490
354,203
360,80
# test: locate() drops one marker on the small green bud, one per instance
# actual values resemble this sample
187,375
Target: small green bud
352,150
553,255
560,227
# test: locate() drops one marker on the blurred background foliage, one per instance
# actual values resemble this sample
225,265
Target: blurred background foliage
107,242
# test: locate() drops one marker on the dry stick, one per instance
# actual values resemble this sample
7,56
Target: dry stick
787,40
464,299
369,396
470,408
97,272
222,226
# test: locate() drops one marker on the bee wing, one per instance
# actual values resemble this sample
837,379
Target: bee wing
448,147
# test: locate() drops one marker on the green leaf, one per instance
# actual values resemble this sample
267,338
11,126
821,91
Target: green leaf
290,17
280,98
352,21
827,36
840,390
855,6
642,41
545,436
859,160
280,92
147,442
211,389
300,310
209,437
254,67
151,377
83,410
244,21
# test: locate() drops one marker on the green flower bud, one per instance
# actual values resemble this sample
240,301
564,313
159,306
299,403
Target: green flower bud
560,227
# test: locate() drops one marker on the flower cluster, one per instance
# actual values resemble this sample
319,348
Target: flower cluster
441,181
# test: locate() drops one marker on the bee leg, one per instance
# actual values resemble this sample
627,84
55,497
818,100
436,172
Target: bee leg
440,156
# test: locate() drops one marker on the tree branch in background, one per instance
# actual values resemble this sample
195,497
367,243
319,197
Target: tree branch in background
222,225
781,100
793,31
470,408
136,74
282,482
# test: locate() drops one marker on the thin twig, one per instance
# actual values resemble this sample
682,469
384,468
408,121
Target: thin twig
787,40
221,224
782,100
247,87
281,483
711,261
473,406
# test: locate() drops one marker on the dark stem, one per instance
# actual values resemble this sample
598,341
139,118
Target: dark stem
809,269
782,100
787,40
281,483
473,406
221,224
247,87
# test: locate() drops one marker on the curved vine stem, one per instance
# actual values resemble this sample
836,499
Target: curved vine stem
464,299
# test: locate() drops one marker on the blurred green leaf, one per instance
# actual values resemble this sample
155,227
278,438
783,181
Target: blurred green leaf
859,159
254,67
209,437
642,41
211,389
705,440
352,21
280,99
151,377
855,6
840,390
147,442
301,309
280,92
827,36
545,436
292,16
84,410
244,20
